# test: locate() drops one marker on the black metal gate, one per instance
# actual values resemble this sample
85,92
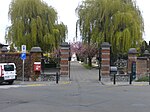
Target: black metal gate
50,69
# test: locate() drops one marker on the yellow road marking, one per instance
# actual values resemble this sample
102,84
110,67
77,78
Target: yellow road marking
66,82
36,85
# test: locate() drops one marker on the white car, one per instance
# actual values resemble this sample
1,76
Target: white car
7,72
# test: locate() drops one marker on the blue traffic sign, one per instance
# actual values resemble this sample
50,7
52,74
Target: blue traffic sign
23,56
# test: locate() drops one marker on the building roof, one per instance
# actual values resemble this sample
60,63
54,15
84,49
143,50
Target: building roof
1,45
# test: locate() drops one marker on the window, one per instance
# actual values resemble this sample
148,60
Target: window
9,67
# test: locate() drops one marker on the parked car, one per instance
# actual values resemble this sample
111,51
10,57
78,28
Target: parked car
7,72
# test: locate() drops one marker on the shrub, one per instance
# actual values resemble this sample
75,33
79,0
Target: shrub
87,66
143,79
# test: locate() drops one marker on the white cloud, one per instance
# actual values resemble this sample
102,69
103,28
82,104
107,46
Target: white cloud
144,7
65,9
66,14
4,22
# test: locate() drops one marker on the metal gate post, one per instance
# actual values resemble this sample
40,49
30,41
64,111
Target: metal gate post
57,77
130,82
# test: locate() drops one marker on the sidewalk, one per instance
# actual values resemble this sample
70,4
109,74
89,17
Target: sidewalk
79,74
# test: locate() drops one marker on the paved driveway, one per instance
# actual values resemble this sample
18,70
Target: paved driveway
81,74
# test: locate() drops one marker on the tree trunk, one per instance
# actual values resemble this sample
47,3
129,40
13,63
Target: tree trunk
85,60
90,61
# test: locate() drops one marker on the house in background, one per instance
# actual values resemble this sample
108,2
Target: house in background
2,45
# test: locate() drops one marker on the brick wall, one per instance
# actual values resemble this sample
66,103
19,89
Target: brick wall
141,66
131,58
15,58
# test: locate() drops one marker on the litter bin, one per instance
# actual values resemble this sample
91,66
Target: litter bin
113,71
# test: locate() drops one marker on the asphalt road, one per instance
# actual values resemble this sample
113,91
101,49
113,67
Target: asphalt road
86,95
75,97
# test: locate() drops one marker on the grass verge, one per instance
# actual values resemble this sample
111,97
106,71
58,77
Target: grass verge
143,79
87,66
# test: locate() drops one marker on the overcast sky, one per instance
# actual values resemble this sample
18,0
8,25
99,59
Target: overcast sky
66,14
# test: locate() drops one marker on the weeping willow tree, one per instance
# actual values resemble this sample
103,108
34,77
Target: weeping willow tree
34,23
118,22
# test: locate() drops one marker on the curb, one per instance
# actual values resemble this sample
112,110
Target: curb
47,83
124,84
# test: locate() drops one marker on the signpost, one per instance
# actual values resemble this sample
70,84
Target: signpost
23,48
133,70
23,57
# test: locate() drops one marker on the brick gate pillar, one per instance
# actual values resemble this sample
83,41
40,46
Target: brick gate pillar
36,55
131,58
105,59
147,55
64,61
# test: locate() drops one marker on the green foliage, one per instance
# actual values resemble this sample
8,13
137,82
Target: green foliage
143,79
87,66
34,23
118,22
12,49
144,47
